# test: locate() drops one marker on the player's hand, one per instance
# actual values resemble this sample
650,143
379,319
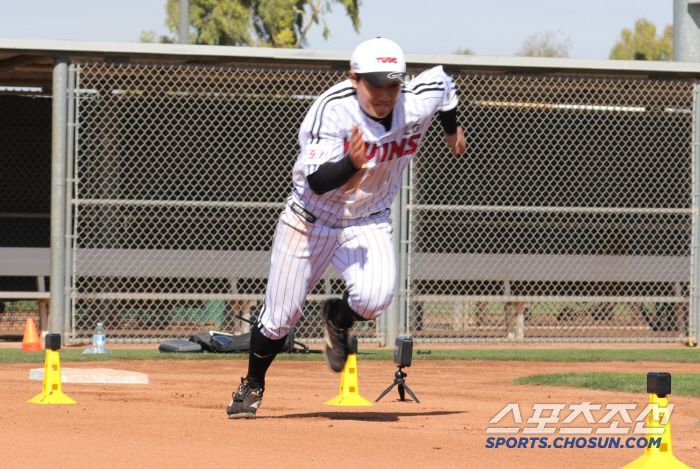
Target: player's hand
357,147
456,142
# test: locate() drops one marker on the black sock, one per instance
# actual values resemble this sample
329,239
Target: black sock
262,352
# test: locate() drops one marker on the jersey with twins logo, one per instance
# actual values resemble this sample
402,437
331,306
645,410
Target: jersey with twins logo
325,136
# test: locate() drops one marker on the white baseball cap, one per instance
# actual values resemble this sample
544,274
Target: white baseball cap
379,61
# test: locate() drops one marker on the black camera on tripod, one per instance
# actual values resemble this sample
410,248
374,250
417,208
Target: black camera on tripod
403,353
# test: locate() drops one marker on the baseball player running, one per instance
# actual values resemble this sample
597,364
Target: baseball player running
356,140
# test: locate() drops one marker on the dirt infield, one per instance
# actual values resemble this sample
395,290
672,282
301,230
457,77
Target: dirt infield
178,420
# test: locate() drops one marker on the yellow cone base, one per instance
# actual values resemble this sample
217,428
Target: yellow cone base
349,389
52,397
52,392
349,400
661,457
656,462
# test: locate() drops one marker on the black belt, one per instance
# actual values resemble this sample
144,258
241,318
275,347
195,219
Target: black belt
303,213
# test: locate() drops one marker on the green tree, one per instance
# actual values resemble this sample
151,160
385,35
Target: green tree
150,36
643,43
268,23
464,51
549,44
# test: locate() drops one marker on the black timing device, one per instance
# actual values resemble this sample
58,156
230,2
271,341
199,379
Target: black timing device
403,351
52,342
659,383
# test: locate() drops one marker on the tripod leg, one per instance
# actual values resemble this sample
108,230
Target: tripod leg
411,394
386,391
402,394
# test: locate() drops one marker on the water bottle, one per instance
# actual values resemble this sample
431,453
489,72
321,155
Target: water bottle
98,338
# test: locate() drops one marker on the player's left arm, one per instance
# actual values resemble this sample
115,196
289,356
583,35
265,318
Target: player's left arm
454,136
447,113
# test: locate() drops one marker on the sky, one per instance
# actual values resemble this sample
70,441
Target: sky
487,27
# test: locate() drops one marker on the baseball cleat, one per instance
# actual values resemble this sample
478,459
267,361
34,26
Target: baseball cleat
336,345
245,401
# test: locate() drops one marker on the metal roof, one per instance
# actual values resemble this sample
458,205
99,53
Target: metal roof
29,62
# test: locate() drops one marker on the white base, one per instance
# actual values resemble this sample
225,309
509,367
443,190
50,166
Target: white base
94,375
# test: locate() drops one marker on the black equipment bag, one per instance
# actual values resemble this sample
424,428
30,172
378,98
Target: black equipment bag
219,342
231,344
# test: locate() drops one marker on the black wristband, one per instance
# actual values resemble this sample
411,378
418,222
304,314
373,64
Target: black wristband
331,175
448,121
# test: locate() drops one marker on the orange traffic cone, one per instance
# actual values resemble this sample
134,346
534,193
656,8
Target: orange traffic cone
31,342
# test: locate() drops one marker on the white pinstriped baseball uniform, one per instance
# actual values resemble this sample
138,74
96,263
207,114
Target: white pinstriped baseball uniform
349,226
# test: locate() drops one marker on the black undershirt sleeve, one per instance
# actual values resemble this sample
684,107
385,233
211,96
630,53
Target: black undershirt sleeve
448,121
331,175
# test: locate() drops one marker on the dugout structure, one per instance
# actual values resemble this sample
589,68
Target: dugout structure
572,217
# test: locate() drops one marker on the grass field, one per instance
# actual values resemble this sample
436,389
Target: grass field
683,384
558,355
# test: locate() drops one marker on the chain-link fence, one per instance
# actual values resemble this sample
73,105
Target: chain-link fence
568,217
182,173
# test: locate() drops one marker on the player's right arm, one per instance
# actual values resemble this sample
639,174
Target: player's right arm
331,175
340,160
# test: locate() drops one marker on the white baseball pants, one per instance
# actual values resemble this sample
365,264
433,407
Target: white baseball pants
360,250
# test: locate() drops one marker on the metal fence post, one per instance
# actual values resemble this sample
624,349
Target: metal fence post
695,242
686,34
392,312
70,151
402,262
58,193
184,22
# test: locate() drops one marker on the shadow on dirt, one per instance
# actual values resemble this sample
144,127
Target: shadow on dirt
364,416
